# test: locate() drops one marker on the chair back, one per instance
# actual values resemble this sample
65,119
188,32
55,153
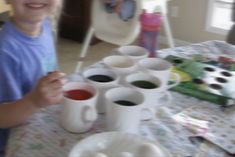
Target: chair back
109,27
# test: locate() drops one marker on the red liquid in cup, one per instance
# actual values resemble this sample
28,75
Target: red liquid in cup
78,94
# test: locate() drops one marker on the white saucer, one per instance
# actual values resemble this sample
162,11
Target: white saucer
111,144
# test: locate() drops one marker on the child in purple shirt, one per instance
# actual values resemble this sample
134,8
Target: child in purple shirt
28,64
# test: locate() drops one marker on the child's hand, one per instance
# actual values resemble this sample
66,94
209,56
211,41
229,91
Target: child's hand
48,90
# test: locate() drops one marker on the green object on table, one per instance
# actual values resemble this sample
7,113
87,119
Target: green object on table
208,82
184,89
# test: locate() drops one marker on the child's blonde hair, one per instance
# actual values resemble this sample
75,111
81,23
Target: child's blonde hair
55,16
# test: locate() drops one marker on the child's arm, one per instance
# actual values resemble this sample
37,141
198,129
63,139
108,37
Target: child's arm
47,92
14,113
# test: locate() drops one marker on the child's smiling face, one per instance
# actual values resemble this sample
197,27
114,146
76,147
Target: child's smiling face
32,10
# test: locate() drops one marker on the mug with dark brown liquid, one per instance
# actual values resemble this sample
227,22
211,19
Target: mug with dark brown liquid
103,79
123,109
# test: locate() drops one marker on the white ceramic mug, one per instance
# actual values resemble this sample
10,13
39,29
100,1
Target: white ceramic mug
161,69
133,51
123,118
152,89
78,115
122,65
103,79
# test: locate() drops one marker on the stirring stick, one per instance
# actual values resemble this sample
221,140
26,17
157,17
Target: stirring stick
79,66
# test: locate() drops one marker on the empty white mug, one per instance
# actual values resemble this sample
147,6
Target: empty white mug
133,51
122,65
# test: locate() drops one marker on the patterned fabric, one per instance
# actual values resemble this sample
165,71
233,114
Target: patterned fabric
42,135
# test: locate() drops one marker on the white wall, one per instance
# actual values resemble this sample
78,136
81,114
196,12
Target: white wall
190,24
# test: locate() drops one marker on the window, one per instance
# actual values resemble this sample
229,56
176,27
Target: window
219,14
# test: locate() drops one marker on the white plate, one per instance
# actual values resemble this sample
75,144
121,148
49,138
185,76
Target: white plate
112,144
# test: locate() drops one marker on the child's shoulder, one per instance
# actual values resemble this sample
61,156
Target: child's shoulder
7,30
47,23
7,40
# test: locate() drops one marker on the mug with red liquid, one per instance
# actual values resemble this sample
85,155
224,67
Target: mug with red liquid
79,107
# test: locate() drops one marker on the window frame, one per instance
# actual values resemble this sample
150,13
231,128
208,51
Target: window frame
209,27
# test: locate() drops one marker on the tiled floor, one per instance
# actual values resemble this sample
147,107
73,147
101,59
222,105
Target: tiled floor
68,52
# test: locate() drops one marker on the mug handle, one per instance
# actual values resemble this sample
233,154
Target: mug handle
152,110
149,110
168,97
88,114
115,51
176,81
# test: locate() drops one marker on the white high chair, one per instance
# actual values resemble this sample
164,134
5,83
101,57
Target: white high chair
110,28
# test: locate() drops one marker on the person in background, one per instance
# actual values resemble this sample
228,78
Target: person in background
29,79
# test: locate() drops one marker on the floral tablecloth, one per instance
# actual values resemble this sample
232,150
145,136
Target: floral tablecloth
42,135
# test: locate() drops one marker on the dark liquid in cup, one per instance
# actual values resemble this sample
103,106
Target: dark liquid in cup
101,78
144,84
78,94
125,103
